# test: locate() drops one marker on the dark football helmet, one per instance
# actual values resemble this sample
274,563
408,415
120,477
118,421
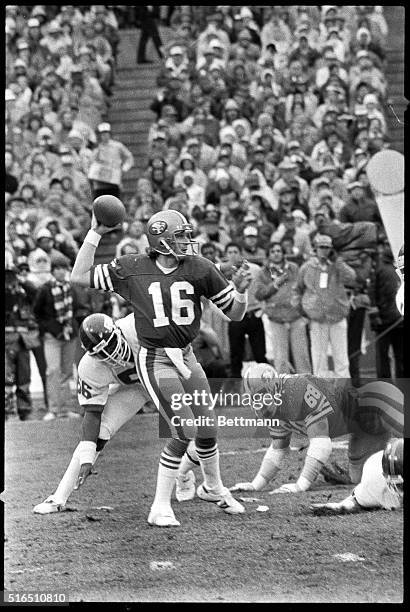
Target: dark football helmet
101,338
392,461
169,233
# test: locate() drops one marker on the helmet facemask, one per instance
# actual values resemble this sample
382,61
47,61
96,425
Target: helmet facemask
114,351
178,248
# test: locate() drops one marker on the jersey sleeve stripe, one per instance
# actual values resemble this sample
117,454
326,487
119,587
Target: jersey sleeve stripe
316,416
223,300
107,277
224,291
227,305
99,281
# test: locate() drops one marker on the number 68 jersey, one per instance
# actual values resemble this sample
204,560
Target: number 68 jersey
98,379
167,306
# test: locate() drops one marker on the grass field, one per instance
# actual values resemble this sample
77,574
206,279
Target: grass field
282,555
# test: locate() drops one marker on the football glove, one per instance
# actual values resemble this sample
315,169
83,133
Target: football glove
243,486
290,487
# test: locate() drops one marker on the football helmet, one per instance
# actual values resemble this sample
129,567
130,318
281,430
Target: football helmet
392,461
102,339
169,233
259,377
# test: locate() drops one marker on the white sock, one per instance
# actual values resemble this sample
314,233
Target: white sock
167,473
209,460
68,481
189,461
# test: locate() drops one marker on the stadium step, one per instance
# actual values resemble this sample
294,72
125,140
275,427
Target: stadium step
134,91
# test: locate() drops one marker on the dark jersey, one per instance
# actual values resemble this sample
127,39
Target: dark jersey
306,399
167,307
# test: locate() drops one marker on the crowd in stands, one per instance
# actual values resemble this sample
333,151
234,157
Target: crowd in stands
265,120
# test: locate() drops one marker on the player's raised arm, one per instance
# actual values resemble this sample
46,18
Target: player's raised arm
80,273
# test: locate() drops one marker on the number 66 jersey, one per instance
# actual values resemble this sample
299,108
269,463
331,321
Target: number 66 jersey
167,304
97,380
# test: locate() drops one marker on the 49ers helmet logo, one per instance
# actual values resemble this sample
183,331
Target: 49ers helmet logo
158,227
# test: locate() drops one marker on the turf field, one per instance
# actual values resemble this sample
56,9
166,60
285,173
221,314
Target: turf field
282,555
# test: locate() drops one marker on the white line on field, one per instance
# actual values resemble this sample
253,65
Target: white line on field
341,444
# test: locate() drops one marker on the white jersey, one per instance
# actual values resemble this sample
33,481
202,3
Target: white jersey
374,491
99,379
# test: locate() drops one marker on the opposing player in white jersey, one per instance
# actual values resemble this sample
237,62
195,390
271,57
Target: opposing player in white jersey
109,391
381,485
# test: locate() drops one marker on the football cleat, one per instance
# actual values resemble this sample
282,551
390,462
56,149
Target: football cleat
185,486
48,506
224,500
163,518
348,505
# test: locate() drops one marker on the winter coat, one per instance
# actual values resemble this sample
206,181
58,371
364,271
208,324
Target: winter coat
329,304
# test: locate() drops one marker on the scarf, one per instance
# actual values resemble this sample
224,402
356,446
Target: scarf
63,302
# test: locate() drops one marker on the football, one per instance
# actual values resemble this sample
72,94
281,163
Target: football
109,210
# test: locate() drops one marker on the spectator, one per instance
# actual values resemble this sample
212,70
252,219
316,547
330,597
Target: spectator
21,334
54,308
321,287
250,250
147,19
251,325
385,319
110,160
359,207
285,328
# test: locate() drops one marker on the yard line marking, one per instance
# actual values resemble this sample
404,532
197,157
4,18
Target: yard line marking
341,444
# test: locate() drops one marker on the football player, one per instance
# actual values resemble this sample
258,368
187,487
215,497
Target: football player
110,392
322,409
381,485
165,288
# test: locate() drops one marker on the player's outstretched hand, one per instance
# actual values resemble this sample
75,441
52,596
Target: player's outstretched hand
85,471
243,486
103,229
290,487
242,277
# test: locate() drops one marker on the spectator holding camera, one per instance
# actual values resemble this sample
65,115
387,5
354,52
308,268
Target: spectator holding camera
320,289
285,328
21,335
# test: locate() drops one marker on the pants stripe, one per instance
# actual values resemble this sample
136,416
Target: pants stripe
146,358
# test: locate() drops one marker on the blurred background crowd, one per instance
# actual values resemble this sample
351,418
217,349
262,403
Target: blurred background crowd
265,120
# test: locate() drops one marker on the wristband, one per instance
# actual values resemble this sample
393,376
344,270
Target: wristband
86,450
241,297
93,238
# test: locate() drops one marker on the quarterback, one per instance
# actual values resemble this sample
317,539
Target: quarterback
109,390
323,409
165,288
381,485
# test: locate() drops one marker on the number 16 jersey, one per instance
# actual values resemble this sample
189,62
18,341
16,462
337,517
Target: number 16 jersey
167,306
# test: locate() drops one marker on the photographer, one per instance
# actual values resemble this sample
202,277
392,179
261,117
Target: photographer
285,328
21,335
320,289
